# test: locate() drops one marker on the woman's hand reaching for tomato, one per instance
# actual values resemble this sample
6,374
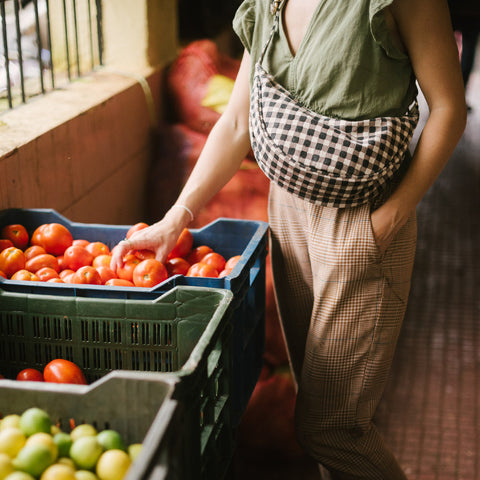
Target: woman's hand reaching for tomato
161,238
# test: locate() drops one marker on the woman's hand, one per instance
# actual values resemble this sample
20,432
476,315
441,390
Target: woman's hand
160,238
385,225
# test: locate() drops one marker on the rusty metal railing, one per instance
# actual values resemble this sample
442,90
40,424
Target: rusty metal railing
38,54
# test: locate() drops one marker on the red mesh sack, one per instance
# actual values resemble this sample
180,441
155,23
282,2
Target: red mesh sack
187,82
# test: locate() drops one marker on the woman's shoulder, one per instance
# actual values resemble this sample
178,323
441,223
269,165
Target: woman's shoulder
251,20
252,9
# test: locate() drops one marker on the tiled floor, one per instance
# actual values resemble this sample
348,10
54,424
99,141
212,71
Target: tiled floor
430,413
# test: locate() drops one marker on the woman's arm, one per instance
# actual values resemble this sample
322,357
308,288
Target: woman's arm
425,30
227,145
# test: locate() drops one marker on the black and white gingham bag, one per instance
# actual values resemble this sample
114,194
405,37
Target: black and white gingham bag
335,162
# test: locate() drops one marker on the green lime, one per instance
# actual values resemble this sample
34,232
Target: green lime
63,441
83,430
85,452
12,440
34,420
113,465
6,466
42,438
34,459
134,450
110,439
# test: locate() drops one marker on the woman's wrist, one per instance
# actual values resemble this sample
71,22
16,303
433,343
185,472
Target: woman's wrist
178,216
397,211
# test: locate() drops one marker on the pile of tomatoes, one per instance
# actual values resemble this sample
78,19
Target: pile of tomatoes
51,254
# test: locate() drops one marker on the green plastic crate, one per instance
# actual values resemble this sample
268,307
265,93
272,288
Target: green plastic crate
185,335
143,411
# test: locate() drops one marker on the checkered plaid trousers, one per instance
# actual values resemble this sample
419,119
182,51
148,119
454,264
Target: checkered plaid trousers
341,305
334,162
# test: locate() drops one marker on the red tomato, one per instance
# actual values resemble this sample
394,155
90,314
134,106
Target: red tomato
202,270
55,238
98,248
17,234
55,280
126,270
33,251
215,260
46,273
183,246
30,374
119,282
12,259
102,261
5,243
177,266
25,276
65,273
35,239
232,261
80,242
3,274
225,272
61,262
68,277
135,228
198,253
76,256
63,371
149,272
40,261
106,273
87,274
143,254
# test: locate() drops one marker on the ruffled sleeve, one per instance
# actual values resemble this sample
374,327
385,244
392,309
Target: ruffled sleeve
244,23
379,29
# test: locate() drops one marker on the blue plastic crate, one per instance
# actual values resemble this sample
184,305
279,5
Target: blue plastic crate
228,237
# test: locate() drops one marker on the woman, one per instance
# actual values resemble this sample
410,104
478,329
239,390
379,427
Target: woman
326,97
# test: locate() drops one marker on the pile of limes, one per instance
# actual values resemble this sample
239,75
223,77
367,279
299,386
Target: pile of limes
31,447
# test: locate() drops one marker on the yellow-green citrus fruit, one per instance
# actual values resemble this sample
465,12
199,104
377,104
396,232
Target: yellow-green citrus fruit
54,430
134,450
85,475
113,465
58,471
63,441
6,466
19,476
46,439
66,461
12,440
35,420
33,459
83,430
11,420
85,451
110,439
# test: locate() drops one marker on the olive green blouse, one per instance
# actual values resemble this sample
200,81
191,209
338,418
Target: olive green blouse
347,65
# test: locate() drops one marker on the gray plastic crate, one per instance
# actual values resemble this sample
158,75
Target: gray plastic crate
142,411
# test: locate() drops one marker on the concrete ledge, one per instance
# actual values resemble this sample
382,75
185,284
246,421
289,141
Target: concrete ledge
84,150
